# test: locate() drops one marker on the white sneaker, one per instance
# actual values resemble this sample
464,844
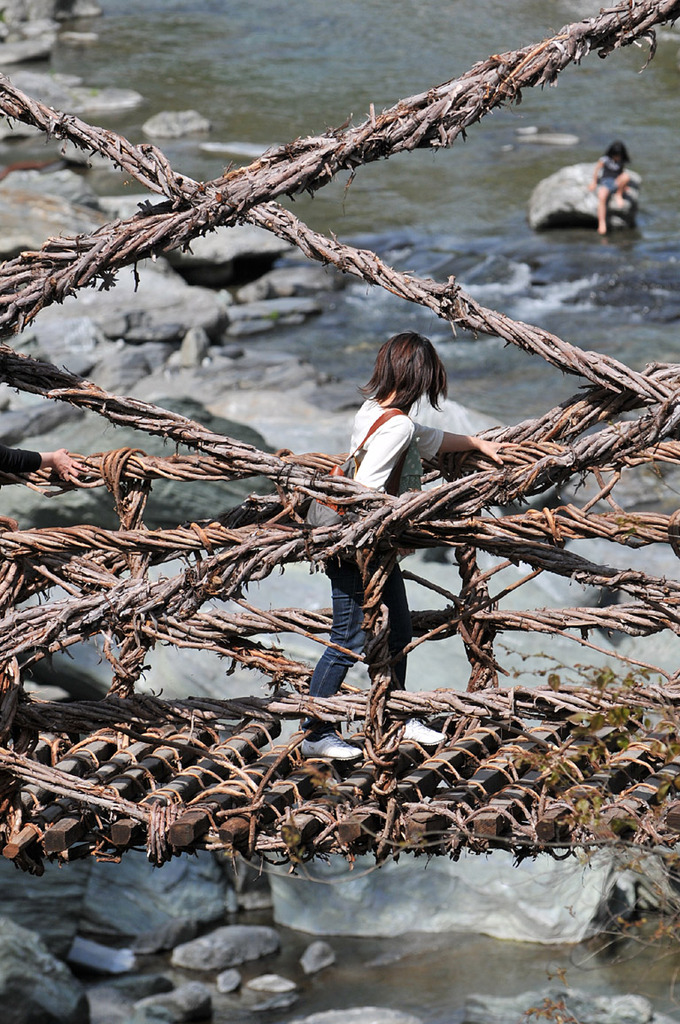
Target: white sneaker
332,746
420,733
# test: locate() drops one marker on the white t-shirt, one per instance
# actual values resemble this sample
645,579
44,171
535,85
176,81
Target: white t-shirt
384,447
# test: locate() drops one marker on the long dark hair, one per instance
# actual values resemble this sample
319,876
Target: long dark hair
618,151
407,366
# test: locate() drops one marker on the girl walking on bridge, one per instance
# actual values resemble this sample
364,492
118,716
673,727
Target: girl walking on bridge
388,446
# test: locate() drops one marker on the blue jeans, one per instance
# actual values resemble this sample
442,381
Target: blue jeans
348,615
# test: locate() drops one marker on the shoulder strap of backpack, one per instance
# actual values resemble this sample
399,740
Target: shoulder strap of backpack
387,415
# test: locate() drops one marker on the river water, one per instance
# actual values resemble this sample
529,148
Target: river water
267,72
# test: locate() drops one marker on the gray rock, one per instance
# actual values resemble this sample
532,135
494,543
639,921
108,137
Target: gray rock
251,886
246,328
134,987
565,200
227,947
194,348
284,282
49,905
221,256
569,1003
75,342
275,310
169,935
113,1001
124,365
95,956
559,901
158,306
359,1015
78,38
33,419
188,1002
317,956
123,207
538,138
146,899
34,985
228,981
27,219
67,93
17,130
271,983
173,124
22,51
269,992
63,183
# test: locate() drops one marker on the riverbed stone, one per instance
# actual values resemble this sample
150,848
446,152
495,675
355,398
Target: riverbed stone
22,51
167,936
96,956
269,992
153,304
262,316
287,281
359,1015
191,1001
17,130
564,200
34,985
225,947
194,347
229,254
61,182
173,124
559,1001
28,218
228,981
68,93
317,956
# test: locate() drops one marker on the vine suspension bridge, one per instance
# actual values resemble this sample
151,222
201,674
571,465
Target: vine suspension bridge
532,769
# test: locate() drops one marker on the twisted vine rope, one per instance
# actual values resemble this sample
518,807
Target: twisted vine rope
621,420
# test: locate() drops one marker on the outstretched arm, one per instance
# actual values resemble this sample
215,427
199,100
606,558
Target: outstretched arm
467,442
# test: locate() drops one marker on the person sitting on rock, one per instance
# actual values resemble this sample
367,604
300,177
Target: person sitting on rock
610,178
20,460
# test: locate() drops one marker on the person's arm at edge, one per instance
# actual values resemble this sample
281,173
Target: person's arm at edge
63,463
23,460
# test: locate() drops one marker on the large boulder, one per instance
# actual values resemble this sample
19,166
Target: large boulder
564,200
146,898
50,905
536,901
35,987
151,303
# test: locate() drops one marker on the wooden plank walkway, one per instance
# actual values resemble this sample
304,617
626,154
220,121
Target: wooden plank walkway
549,785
